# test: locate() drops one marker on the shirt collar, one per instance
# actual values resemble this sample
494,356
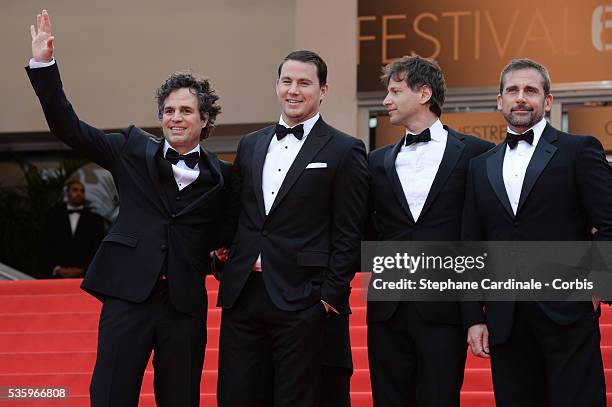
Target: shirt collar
167,146
436,130
308,124
538,129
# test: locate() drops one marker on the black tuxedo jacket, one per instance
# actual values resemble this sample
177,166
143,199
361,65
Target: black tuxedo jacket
309,242
566,192
68,250
147,237
440,219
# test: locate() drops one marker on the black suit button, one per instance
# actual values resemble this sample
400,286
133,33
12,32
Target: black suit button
515,223
178,198
264,232
163,247
173,215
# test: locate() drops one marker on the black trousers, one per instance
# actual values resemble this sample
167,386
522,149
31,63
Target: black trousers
128,332
545,364
415,362
335,387
252,330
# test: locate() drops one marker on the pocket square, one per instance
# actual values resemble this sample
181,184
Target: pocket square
316,165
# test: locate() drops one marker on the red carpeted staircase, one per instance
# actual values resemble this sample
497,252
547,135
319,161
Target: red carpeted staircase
48,336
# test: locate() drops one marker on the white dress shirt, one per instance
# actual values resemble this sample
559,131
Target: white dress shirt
516,161
74,217
35,64
279,158
417,166
184,175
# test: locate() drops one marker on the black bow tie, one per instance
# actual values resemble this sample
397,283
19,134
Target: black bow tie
191,159
71,211
282,131
422,137
513,139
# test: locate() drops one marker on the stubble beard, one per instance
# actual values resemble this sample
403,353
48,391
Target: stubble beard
524,121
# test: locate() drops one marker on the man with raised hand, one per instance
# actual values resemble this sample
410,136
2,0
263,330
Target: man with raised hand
149,270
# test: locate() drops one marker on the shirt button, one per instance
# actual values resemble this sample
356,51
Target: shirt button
272,192
286,147
279,170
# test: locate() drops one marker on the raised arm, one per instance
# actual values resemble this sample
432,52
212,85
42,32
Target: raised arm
42,38
62,119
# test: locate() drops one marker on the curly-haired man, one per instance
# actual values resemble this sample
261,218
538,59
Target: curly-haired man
149,269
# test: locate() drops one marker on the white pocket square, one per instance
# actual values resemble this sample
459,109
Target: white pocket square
316,165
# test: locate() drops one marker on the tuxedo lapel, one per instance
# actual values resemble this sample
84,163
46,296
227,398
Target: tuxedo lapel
495,165
67,228
213,164
152,149
543,153
259,157
452,152
396,185
315,141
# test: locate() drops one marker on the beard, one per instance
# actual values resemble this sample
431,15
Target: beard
523,120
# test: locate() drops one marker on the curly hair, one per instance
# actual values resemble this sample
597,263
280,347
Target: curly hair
201,88
418,71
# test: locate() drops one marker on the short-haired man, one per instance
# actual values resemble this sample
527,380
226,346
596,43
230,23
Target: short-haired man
301,190
149,270
73,234
417,350
540,184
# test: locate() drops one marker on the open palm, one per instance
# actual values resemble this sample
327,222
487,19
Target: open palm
42,38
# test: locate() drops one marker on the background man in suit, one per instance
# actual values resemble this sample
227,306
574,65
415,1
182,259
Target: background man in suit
540,184
149,270
301,192
417,350
73,234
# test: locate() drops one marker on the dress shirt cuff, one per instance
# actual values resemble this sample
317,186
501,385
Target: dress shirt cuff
36,64
329,307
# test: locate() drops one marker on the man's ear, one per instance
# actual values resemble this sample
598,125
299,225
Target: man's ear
204,121
425,94
324,91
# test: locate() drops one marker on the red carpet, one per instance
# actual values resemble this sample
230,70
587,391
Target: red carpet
48,339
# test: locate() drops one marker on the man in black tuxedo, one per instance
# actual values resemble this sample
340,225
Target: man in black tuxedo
300,188
73,234
149,269
417,350
540,184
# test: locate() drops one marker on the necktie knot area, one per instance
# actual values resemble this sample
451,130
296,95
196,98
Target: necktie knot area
297,131
513,139
191,159
422,137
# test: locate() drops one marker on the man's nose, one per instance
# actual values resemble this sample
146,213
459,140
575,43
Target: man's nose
293,89
386,101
